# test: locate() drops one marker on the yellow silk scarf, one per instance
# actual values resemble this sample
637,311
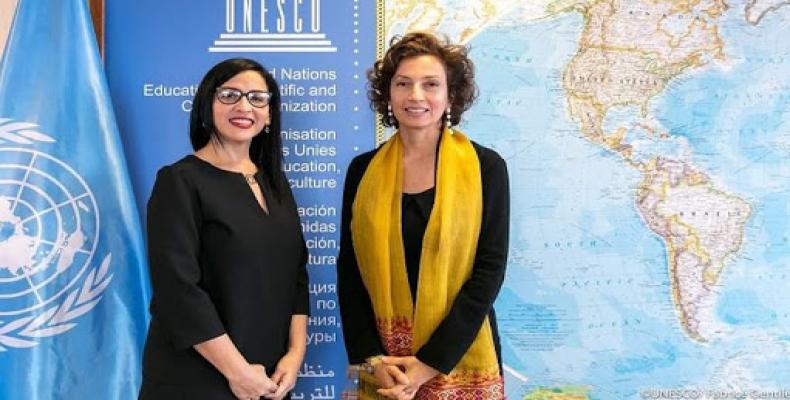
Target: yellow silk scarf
448,253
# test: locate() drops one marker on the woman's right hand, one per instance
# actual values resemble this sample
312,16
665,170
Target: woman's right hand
252,383
390,376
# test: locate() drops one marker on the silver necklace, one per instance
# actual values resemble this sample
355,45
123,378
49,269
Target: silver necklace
250,178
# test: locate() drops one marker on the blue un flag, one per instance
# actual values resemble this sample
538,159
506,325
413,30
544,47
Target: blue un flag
73,286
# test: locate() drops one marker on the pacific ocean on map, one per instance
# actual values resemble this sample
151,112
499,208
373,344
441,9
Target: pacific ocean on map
648,148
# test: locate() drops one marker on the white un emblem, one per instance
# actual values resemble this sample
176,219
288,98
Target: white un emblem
49,228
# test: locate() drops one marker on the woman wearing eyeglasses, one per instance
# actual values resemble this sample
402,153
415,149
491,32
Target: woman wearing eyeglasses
226,252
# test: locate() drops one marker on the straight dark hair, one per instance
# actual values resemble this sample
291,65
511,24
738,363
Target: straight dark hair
265,149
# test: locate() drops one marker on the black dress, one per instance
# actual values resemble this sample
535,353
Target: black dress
452,338
219,264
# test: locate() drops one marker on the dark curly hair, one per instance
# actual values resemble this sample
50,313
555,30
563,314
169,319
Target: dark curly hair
460,72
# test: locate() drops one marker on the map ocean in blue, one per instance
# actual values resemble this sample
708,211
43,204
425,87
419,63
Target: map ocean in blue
739,136
587,299
643,144
743,308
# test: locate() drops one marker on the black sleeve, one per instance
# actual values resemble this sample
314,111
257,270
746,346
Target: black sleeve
455,334
302,298
183,309
359,324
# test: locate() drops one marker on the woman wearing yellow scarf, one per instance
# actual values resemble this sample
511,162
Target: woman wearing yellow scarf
424,234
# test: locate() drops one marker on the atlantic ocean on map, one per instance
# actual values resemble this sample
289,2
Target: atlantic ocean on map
649,155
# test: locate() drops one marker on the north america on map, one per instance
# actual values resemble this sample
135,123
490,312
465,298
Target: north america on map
648,149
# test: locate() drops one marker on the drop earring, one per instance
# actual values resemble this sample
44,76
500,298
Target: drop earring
390,117
449,118
266,129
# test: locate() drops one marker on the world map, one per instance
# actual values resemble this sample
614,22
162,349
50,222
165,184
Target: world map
648,149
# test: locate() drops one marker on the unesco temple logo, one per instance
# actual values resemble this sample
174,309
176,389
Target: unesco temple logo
49,231
273,26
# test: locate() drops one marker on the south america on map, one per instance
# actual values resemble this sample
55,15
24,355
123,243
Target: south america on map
648,149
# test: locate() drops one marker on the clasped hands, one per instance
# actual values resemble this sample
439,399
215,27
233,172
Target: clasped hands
401,377
255,383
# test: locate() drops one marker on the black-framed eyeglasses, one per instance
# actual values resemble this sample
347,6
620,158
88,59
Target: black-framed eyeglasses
256,98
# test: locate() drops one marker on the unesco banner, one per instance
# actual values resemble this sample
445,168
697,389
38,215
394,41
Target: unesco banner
157,52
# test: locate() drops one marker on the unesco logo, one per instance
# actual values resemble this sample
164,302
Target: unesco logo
272,26
49,229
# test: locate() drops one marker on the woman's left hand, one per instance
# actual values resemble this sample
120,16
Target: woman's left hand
285,374
417,372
